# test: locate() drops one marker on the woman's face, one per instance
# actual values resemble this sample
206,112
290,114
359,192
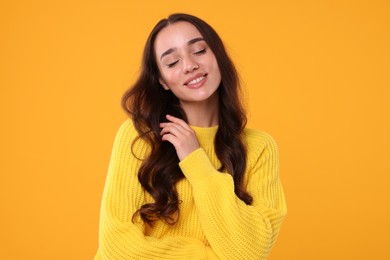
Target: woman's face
187,65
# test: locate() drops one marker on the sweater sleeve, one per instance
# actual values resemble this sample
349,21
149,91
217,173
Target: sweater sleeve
234,229
119,237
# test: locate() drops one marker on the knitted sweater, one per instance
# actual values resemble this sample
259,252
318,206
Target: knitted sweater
213,224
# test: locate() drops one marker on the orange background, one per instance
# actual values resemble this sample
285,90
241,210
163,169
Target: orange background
316,76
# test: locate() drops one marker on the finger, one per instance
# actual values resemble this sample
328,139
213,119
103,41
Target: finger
170,138
172,128
178,121
182,150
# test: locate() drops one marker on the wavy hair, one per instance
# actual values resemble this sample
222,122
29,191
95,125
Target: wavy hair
160,171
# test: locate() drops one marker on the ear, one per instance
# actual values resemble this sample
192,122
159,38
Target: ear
163,84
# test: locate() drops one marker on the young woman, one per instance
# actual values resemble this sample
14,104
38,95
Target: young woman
186,179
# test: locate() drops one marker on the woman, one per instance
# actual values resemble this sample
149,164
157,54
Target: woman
186,179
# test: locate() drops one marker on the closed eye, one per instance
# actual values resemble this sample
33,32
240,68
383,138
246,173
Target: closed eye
170,65
200,52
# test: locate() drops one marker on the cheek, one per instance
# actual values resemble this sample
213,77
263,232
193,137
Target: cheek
216,69
213,61
171,77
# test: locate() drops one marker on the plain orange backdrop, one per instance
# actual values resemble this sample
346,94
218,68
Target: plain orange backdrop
316,77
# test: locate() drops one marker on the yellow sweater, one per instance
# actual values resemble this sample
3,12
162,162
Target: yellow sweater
214,223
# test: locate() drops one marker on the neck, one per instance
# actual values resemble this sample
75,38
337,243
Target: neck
202,114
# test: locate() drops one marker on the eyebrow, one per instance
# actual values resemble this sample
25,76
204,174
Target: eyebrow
190,42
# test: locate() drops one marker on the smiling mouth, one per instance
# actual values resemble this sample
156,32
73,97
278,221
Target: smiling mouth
196,80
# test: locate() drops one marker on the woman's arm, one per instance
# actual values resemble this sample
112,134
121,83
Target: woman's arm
119,237
234,229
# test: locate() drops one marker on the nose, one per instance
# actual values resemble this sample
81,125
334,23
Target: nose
189,65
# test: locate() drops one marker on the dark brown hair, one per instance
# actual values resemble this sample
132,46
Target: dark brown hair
147,103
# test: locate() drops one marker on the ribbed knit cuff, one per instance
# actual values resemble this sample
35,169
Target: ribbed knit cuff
197,167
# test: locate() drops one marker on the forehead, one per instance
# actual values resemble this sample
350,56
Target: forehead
175,36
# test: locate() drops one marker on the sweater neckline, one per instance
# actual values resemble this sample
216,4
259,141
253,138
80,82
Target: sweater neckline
205,133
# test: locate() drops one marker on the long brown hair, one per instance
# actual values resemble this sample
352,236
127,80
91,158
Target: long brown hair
147,103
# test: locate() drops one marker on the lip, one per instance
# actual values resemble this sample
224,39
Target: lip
198,84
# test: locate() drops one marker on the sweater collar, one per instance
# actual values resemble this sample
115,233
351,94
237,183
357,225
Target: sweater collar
205,133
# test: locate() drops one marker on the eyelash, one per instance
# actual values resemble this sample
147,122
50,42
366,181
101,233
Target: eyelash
170,65
200,52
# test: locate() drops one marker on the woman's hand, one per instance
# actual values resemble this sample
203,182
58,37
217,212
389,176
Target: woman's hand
181,135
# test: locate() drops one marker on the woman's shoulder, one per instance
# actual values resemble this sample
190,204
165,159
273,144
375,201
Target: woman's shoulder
126,132
258,141
127,128
255,135
127,136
